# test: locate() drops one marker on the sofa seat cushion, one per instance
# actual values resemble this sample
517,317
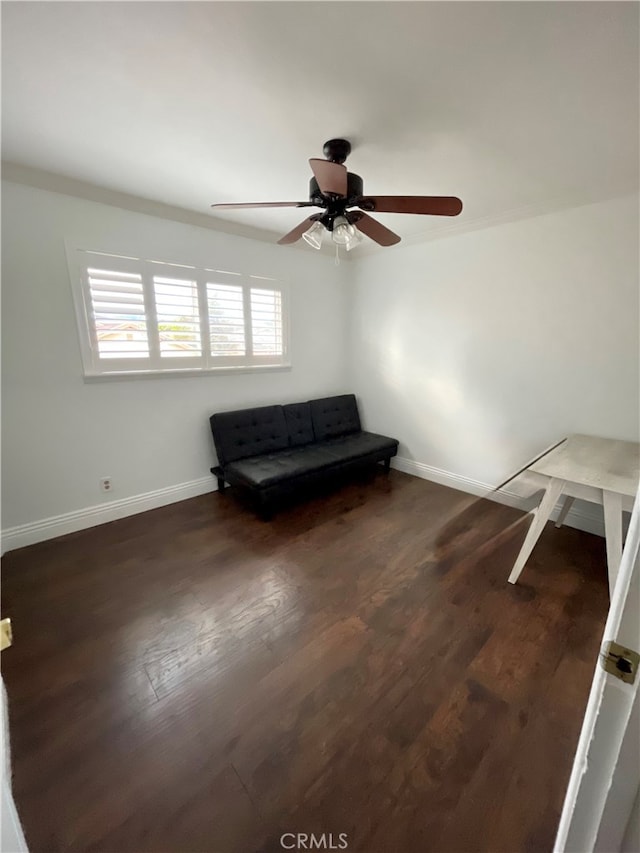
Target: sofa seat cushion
360,444
272,468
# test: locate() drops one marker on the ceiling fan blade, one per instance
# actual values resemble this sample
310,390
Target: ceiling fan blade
376,230
264,204
298,231
331,177
432,205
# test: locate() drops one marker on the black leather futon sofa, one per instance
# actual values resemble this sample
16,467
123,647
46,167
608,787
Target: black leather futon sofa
272,451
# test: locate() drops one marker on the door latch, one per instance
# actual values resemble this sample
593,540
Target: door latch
620,661
6,637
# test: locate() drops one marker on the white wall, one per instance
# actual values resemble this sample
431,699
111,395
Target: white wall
60,435
479,350
476,350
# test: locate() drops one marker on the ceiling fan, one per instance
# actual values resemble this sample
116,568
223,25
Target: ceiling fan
334,189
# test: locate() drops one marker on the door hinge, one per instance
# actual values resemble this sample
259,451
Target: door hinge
620,661
6,636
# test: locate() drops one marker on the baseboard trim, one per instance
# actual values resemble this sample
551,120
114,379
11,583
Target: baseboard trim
70,522
583,516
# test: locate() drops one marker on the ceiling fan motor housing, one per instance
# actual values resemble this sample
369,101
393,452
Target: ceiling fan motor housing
355,188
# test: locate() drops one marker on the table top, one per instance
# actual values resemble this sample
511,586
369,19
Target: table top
605,463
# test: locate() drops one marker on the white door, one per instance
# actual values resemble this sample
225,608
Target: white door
11,836
600,811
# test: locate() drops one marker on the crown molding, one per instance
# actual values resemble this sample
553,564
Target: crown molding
54,182
57,183
454,228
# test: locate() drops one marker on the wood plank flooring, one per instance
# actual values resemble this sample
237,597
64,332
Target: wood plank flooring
195,679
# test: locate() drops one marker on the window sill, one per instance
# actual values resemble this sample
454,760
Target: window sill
118,375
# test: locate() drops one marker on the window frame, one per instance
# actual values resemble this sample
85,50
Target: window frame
80,260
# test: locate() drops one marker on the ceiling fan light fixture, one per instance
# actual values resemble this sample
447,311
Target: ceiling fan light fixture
313,236
334,189
343,232
355,240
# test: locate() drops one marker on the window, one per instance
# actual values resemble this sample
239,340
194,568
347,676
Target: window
140,316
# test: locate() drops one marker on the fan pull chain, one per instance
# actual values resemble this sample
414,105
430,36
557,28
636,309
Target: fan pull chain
337,255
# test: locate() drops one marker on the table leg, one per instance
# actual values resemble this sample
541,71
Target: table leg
548,502
566,506
612,504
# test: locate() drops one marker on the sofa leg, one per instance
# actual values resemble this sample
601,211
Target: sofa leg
217,472
387,464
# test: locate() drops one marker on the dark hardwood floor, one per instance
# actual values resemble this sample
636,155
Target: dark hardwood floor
196,679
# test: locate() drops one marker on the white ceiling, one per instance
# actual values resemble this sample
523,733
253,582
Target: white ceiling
508,105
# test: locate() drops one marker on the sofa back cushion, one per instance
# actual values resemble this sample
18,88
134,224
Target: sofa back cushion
299,423
334,416
248,432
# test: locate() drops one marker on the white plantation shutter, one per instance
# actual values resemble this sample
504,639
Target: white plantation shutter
141,316
178,317
119,317
266,322
226,320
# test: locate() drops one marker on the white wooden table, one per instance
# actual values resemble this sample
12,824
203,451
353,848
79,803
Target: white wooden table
600,470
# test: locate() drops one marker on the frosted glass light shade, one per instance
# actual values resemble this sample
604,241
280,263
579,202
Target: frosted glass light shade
342,232
355,240
314,235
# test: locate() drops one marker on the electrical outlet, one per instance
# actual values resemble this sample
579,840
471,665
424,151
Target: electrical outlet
106,484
